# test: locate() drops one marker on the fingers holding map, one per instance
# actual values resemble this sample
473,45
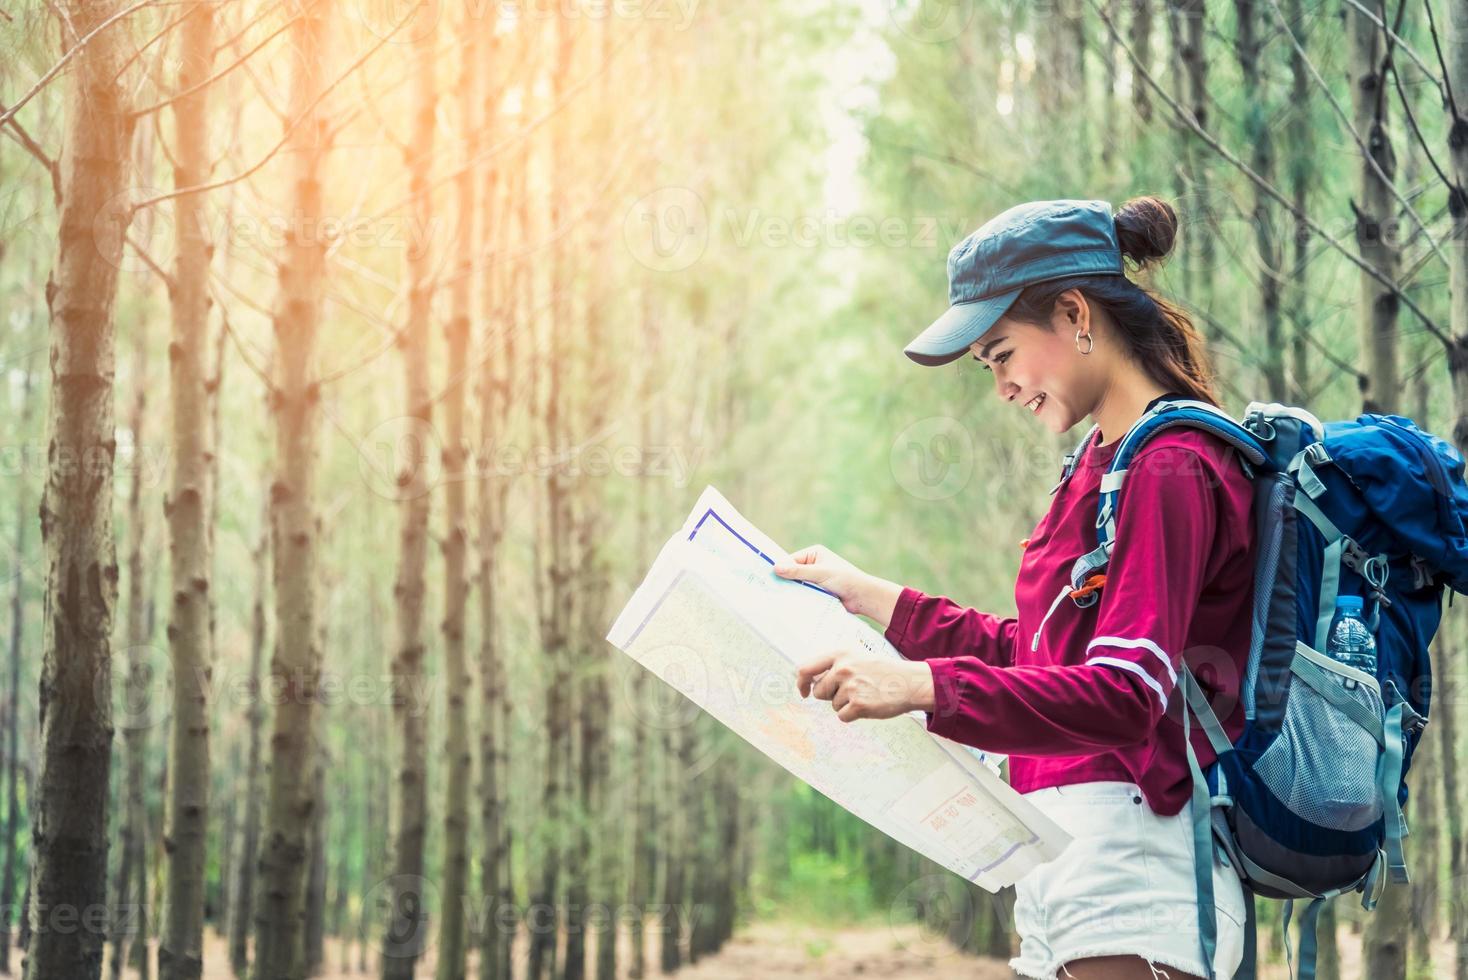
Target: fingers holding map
711,619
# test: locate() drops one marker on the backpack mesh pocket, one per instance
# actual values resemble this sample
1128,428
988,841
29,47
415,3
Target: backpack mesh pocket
1323,764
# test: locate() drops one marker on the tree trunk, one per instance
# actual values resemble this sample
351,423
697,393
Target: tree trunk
1426,852
1445,720
554,592
1375,210
295,668
1384,951
408,927
244,865
678,848
1454,653
69,827
376,835
131,929
499,298
642,876
181,950
1257,107
1302,167
1141,44
314,943
339,915
1186,22
223,887
452,947
12,695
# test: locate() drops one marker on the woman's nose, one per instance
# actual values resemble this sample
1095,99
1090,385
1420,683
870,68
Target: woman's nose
1005,389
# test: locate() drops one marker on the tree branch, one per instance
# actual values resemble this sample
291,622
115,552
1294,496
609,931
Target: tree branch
251,171
1346,122
1264,185
17,132
148,261
1400,42
225,70
72,52
1441,62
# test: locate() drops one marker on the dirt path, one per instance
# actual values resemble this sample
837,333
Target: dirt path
782,950
777,951
768,951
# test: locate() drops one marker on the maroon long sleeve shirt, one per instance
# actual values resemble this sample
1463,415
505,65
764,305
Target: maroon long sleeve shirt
1080,694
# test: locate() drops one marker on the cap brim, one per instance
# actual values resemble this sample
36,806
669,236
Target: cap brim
950,335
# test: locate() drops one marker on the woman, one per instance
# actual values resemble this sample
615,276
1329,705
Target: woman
1077,692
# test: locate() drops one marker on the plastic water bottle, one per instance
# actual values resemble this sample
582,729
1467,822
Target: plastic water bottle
1350,640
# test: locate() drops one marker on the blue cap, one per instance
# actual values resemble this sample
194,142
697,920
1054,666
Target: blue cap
1027,244
1349,603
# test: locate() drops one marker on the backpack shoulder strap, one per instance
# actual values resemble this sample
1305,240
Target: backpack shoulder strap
1164,415
1068,463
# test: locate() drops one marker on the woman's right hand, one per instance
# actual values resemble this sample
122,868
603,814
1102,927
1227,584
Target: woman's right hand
859,592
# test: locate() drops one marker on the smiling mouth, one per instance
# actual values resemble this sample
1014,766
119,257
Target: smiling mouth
1034,403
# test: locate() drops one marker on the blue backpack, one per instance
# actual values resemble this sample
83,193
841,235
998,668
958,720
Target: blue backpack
1307,802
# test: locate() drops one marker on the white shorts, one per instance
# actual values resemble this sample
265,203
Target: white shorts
1124,887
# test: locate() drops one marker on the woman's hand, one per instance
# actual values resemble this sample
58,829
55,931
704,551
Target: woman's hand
859,592
867,688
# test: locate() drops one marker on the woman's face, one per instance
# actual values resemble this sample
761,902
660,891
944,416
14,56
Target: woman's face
1042,371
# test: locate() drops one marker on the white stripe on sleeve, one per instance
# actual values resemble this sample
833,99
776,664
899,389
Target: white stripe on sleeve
1135,668
1122,643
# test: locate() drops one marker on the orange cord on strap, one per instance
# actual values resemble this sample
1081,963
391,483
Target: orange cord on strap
1024,542
1093,584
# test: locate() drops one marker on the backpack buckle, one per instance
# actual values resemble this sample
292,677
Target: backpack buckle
1421,573
1373,568
1262,428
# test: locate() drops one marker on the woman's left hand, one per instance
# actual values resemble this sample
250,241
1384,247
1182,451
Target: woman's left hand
867,688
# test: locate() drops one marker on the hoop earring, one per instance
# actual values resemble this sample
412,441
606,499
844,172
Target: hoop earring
1090,343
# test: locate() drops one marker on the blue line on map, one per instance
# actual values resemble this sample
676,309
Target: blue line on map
750,545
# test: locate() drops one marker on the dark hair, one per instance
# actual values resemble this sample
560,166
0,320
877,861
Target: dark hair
1159,335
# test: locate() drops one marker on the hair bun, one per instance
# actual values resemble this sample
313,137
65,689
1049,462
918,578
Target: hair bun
1145,229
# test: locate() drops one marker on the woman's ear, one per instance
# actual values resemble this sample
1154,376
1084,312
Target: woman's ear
1072,310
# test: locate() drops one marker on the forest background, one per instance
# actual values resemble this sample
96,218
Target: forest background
358,355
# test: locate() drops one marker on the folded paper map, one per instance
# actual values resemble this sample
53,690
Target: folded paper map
715,622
